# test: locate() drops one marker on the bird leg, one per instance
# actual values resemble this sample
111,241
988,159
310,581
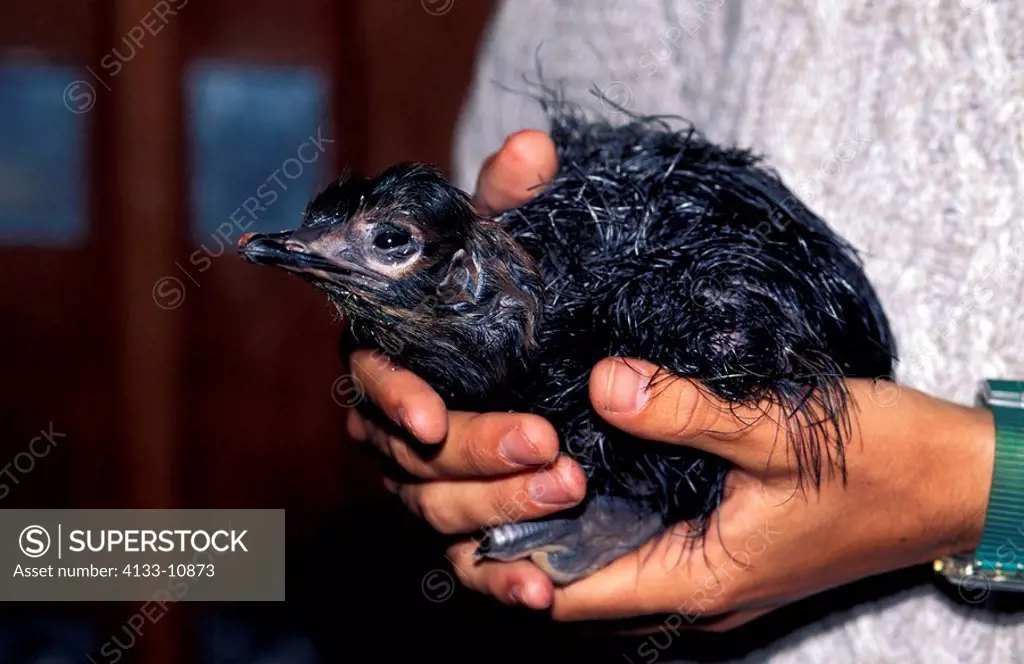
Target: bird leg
568,549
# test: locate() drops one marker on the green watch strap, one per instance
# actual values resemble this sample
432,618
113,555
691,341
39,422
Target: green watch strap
1004,517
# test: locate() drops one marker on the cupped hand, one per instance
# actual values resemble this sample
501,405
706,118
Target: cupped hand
484,468
919,472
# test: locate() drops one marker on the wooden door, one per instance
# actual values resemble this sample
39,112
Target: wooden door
178,375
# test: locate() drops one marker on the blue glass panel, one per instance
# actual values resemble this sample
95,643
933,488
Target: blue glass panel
227,641
42,156
260,145
33,637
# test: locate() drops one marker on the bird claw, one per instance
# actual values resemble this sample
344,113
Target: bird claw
569,549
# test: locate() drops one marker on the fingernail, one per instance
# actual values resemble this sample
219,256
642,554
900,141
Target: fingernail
516,448
548,487
404,421
625,390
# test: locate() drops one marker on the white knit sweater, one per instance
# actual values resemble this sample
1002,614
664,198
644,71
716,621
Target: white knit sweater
900,123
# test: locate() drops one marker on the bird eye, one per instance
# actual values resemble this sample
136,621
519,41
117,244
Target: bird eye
393,242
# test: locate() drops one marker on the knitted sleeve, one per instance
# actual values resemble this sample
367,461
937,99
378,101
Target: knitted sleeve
901,124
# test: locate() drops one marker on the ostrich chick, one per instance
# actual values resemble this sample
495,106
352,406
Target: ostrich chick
650,242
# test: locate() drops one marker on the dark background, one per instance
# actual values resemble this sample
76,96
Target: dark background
214,390
183,377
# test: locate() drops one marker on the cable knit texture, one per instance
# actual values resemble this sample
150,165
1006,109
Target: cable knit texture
901,124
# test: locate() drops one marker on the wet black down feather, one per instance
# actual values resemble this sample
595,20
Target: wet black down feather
656,244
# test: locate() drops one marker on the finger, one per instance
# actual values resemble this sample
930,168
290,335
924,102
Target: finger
462,507
519,582
478,445
680,411
516,172
356,426
404,397
675,622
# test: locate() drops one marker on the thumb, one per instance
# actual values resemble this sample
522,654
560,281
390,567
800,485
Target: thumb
651,403
510,176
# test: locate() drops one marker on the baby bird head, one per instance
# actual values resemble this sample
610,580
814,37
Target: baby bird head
374,245
418,274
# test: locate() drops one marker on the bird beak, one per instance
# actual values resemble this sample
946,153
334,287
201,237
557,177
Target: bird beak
269,249
301,251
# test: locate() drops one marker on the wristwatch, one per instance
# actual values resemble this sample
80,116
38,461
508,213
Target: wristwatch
998,562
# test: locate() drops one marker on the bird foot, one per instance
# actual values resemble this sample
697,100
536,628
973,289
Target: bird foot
569,549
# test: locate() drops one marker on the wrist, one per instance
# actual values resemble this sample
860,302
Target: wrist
980,438
969,458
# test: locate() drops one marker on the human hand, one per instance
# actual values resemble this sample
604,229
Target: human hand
479,469
919,473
